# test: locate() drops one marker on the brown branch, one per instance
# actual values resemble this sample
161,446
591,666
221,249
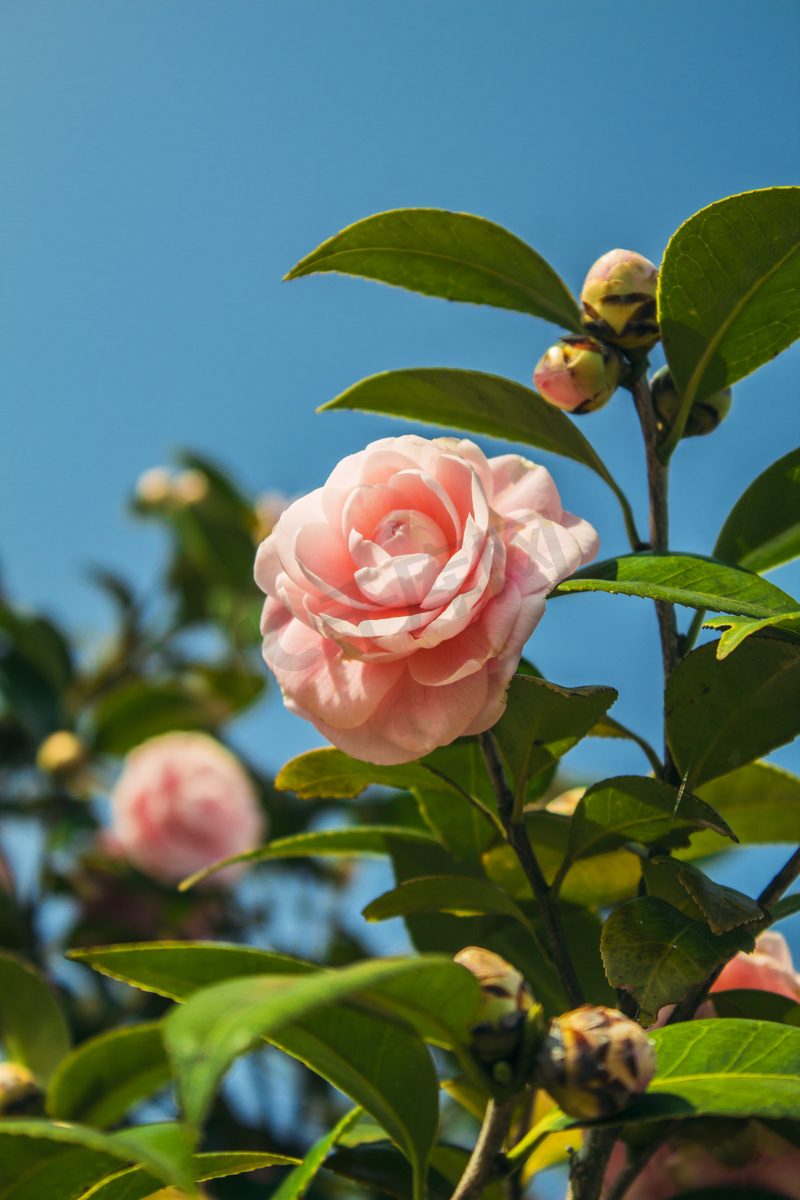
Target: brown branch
483,1160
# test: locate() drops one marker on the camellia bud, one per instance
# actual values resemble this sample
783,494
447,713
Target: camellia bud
704,415
189,487
578,374
594,1061
619,300
61,754
154,487
19,1092
505,1001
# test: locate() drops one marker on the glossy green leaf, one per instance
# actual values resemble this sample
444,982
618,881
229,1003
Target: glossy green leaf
133,1183
542,721
736,629
474,401
760,802
728,291
460,826
222,1021
98,1081
297,1183
453,255
757,1005
683,579
785,907
350,840
139,710
60,1160
331,773
687,888
658,954
635,808
721,715
762,530
32,1026
462,896
176,969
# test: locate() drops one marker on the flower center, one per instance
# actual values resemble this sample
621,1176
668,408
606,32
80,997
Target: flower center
411,532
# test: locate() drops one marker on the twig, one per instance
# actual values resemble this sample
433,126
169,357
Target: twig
518,838
630,1172
588,1166
483,1160
657,486
771,893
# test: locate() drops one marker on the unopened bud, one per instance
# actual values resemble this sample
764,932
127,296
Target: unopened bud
578,374
505,1002
61,754
619,300
190,487
594,1061
19,1092
704,415
154,487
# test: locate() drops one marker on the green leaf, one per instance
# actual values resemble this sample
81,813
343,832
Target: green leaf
786,907
297,1183
762,530
176,969
686,579
351,840
634,808
453,255
658,954
139,710
332,774
728,292
34,1158
723,908
542,721
480,403
760,802
34,1031
99,1081
721,715
222,1021
736,629
461,895
756,1005
136,1184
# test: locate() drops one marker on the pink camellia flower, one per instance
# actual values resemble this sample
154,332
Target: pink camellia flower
756,1157
401,593
182,803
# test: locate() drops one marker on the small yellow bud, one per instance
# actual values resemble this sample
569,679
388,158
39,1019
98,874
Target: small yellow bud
578,374
505,1001
154,487
619,300
594,1061
704,415
19,1092
61,754
190,487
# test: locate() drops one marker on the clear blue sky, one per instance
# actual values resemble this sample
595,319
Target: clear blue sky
166,161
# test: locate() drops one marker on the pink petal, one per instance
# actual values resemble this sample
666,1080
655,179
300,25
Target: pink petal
519,485
403,581
313,672
585,535
426,494
541,555
454,575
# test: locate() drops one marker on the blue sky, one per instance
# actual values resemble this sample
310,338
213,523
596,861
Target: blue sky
166,162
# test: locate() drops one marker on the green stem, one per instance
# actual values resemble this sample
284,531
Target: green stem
690,637
518,838
486,812
627,515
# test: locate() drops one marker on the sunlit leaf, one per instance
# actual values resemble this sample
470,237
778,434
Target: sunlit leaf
98,1081
32,1025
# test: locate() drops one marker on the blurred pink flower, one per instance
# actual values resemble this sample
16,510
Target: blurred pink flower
181,803
773,1163
401,594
